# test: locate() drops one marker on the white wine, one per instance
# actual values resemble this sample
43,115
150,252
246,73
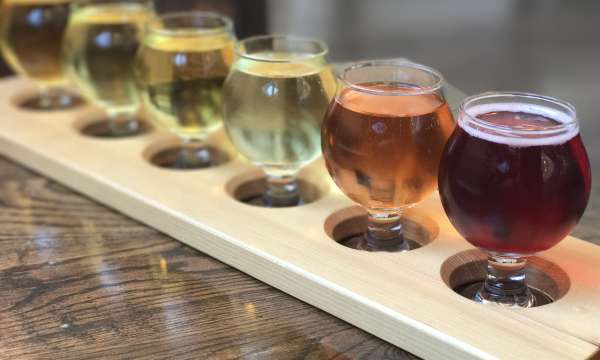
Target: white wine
100,47
181,75
274,108
32,38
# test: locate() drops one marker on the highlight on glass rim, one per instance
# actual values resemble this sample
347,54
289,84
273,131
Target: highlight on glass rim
267,179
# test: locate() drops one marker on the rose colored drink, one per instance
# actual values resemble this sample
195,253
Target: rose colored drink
517,194
384,151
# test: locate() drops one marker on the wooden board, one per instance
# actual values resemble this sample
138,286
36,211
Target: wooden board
403,298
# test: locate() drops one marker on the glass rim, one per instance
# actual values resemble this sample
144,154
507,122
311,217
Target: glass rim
324,49
226,27
425,89
507,130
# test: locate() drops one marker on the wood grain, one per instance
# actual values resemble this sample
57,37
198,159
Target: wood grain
78,280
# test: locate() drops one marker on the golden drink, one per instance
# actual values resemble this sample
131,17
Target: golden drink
274,109
181,75
100,48
32,38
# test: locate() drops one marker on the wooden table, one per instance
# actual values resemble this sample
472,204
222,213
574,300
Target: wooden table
78,280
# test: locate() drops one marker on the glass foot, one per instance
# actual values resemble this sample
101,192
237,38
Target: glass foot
59,100
358,242
476,292
107,129
254,192
188,158
278,192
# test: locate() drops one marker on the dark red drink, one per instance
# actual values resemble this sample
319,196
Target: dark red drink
514,179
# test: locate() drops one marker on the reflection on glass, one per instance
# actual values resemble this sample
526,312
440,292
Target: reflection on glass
181,68
101,42
514,181
32,37
275,99
382,139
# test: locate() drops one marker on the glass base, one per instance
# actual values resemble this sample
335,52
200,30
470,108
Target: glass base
277,192
187,158
359,242
106,128
476,292
56,100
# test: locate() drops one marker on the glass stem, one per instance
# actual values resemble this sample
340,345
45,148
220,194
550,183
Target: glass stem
193,154
121,124
53,97
505,282
384,231
45,101
281,191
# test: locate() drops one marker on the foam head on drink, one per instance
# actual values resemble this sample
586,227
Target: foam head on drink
523,124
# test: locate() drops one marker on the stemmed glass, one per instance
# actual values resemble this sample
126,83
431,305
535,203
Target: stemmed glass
274,101
382,139
32,36
514,180
101,41
181,67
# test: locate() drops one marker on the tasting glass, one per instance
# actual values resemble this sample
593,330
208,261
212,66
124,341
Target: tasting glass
181,67
382,139
101,42
274,101
514,181
32,35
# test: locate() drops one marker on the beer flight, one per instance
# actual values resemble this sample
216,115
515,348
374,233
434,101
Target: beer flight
512,172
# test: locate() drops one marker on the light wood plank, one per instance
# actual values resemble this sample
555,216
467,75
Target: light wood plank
398,297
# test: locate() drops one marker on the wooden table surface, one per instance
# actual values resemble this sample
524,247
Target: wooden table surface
78,280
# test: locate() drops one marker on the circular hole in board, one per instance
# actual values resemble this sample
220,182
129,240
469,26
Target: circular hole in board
165,152
179,158
465,272
31,100
346,225
249,187
95,124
